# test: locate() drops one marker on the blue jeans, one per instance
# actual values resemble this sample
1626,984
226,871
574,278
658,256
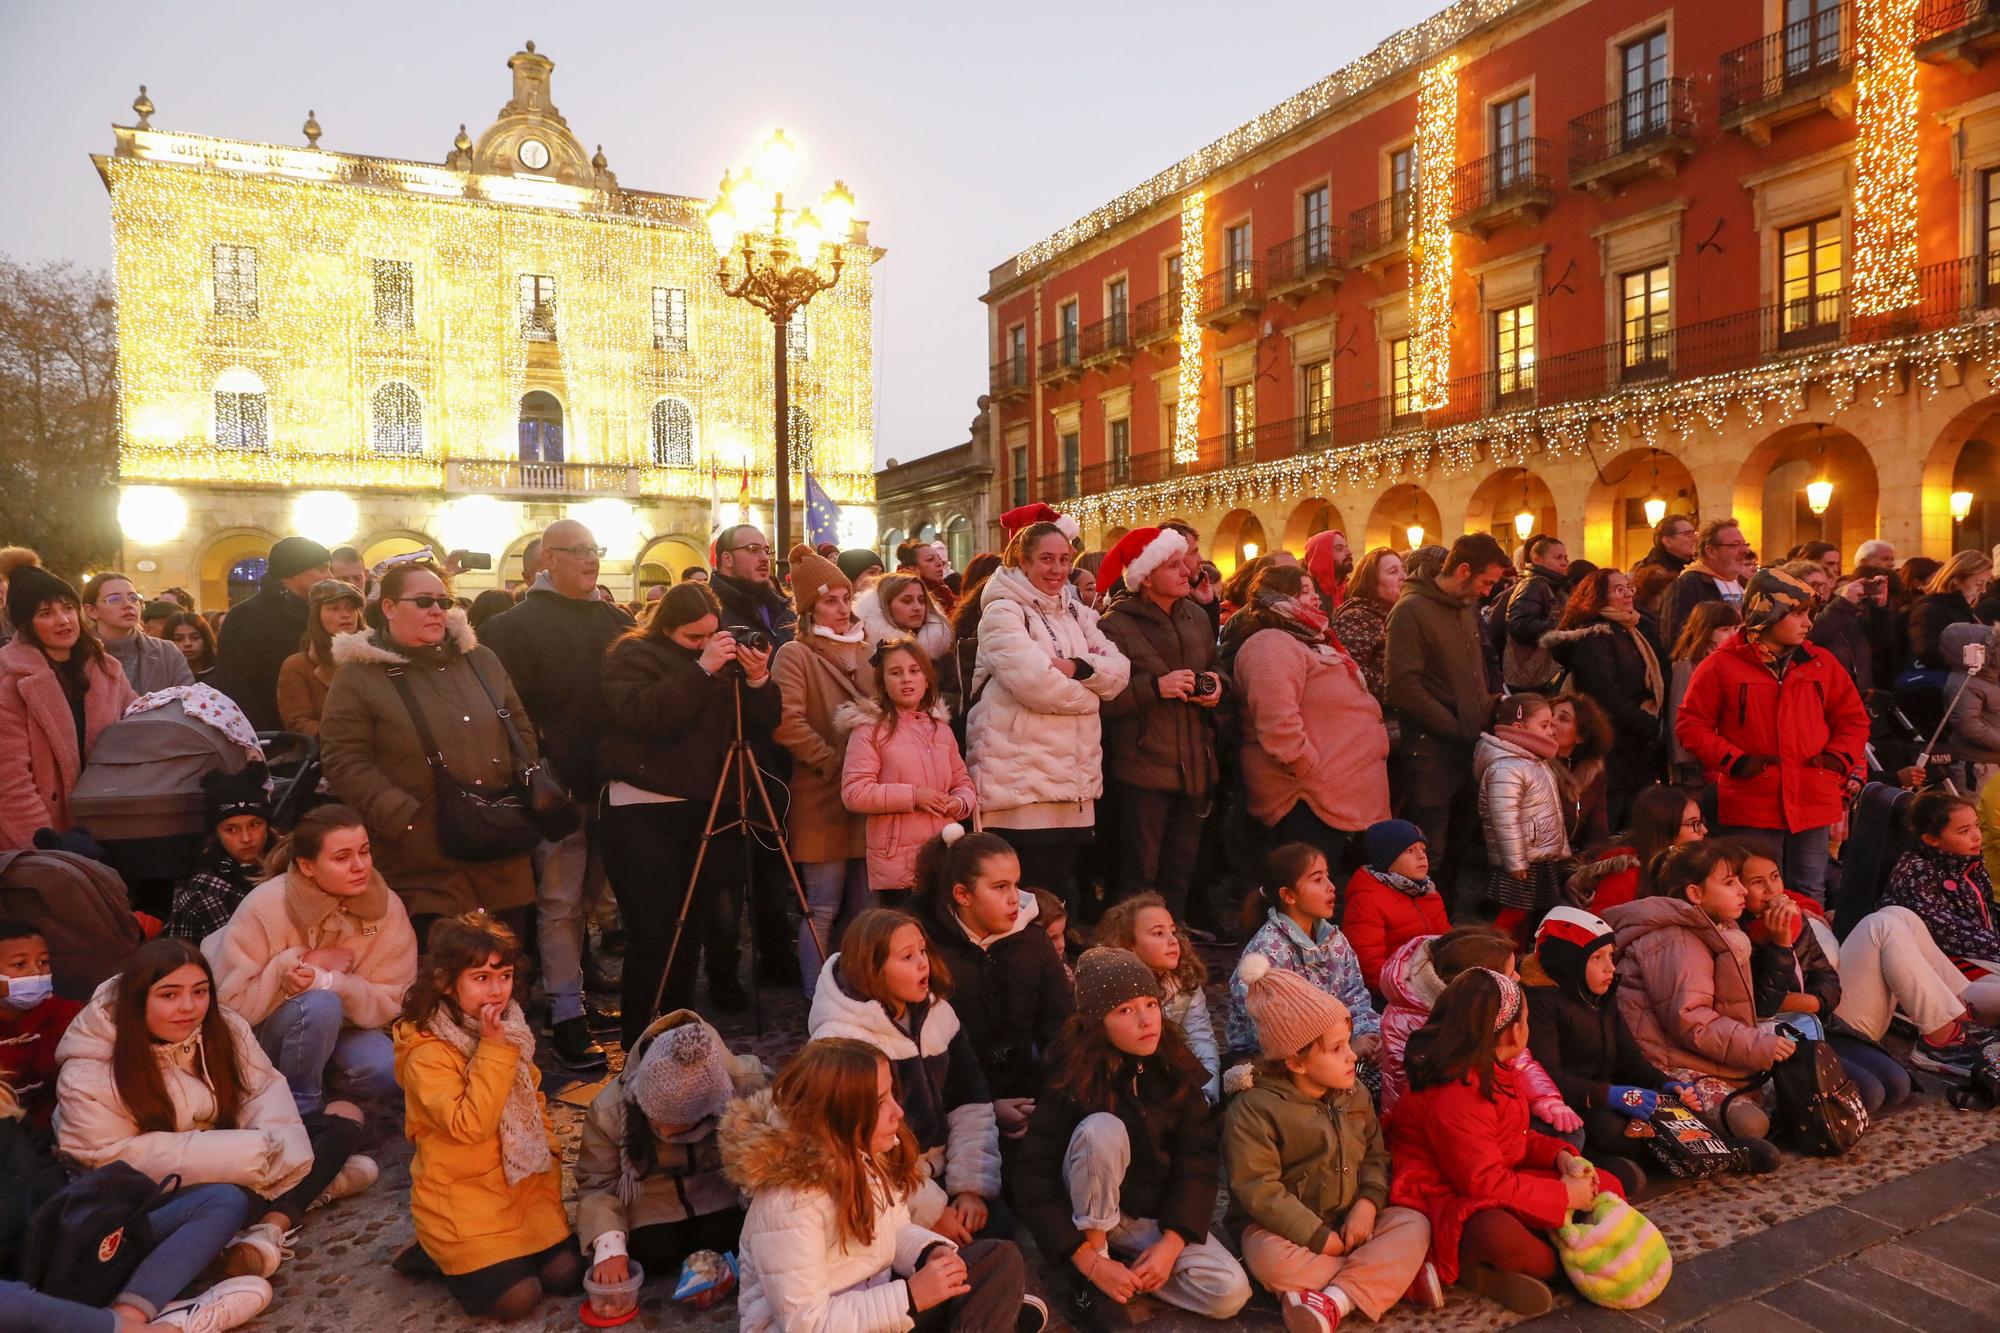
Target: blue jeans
566,871
304,1035
1878,1076
1801,856
837,892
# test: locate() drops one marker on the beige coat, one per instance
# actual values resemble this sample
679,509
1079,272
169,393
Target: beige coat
283,918
1685,991
375,763
815,675
267,1151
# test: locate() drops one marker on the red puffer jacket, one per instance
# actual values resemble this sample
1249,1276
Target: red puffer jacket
1455,1152
1736,707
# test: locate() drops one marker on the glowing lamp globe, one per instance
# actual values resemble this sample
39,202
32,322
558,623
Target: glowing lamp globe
1415,532
475,523
807,234
1656,509
1249,550
836,210
1524,523
723,225
1819,494
778,160
151,515
328,517
1961,505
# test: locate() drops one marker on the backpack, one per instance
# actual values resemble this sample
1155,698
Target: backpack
84,1243
82,908
1817,1105
1981,1088
1685,1144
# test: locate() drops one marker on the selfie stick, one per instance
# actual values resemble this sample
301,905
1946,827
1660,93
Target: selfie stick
1974,656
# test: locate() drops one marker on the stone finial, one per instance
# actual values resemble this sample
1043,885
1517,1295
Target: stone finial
598,163
142,105
463,143
531,47
312,130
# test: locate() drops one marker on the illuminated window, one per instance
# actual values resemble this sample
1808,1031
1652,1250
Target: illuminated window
1402,191
1514,349
242,421
1239,421
235,271
670,319
1316,394
538,307
395,294
1118,449
1402,388
1809,280
798,339
397,420
673,434
1513,140
541,428
1315,212
1647,318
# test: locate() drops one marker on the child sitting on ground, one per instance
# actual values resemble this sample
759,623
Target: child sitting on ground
1053,917
1464,1155
33,1019
649,1181
1521,806
486,1178
238,814
1145,926
1943,880
1309,1171
1298,935
1391,900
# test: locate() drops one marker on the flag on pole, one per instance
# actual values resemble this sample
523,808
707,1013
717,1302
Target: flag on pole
743,496
822,514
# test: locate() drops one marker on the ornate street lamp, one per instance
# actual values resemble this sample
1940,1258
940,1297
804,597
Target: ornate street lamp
781,251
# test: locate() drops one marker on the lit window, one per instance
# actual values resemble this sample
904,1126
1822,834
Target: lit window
395,294
1316,392
398,420
1239,421
1514,349
673,433
1402,387
1648,318
242,420
670,319
1810,279
235,271
538,307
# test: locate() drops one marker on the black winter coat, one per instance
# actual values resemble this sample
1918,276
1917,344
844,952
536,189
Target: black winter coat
1777,971
1662,557
1842,629
1152,743
673,722
1930,617
553,648
751,605
1694,586
1607,665
1536,605
1584,1044
256,639
1011,997
1175,1170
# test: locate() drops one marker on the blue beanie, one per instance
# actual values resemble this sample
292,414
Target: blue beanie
1389,839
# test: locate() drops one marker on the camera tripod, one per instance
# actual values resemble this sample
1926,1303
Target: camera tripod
739,766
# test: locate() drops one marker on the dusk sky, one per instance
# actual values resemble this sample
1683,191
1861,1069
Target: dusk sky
967,132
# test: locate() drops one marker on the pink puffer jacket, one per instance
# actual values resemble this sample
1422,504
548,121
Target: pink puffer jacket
880,777
1410,986
1684,989
39,762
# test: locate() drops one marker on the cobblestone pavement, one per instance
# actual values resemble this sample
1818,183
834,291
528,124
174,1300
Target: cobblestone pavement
340,1280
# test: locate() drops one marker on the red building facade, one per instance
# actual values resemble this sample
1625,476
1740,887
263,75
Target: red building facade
1672,258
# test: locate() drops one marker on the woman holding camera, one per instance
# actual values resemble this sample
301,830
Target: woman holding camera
672,686
826,665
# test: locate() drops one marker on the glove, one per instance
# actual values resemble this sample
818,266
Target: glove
1555,1113
1832,763
1638,1103
1680,1091
1749,766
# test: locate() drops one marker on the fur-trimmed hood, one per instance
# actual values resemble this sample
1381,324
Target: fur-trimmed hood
857,713
1559,641
761,1152
933,636
375,648
836,1013
1410,979
1590,874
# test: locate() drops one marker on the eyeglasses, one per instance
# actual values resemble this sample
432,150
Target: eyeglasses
1696,824
753,549
1731,546
122,599
426,601
580,552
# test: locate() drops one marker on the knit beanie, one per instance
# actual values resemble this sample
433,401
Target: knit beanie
31,585
683,1077
227,795
1388,839
1771,595
857,562
812,575
295,555
1564,942
1107,978
1289,1012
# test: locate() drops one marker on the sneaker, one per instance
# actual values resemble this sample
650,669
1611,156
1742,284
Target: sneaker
257,1251
1955,1060
356,1175
575,1047
1518,1292
1426,1291
1309,1312
1034,1316
230,1302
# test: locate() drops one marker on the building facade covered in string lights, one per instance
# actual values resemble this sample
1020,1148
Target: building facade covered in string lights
1545,265
391,354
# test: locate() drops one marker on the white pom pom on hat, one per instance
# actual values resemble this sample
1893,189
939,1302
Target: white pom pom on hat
952,832
1253,967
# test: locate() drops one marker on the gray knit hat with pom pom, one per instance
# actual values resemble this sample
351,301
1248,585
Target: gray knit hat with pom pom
683,1077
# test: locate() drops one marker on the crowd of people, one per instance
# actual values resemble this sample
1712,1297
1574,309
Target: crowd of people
1512,851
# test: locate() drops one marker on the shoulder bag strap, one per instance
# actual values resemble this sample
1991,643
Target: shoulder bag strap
522,763
432,755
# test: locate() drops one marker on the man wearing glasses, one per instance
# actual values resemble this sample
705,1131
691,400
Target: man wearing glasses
1673,544
553,643
1715,575
112,606
743,583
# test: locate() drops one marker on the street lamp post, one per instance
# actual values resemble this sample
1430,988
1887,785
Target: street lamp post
780,249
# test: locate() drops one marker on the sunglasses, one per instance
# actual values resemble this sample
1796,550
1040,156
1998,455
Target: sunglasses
426,601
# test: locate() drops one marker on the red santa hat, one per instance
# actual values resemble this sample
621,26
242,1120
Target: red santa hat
1138,553
1015,519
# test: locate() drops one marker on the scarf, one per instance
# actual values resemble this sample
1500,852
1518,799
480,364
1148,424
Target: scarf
1403,884
1542,747
310,906
1656,683
856,632
1293,616
524,1139
940,592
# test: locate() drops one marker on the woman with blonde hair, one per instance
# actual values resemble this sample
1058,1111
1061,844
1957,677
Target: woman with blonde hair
1948,600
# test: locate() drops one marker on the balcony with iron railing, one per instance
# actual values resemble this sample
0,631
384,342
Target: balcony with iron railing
1648,130
1307,263
1059,359
1957,32
1379,231
1009,379
1108,341
1157,318
508,476
1510,185
1233,292
1804,67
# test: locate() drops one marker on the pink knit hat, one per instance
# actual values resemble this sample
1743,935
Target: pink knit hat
1290,1013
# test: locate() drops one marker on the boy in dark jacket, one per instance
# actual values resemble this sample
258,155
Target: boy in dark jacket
238,814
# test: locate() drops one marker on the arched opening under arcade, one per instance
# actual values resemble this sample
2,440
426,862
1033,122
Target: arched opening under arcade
1808,482
1405,516
1513,504
1617,516
1239,539
225,570
664,560
1309,518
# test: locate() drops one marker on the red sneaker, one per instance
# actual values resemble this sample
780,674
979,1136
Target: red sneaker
1309,1312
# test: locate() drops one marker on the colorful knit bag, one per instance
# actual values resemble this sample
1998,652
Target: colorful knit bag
1614,1255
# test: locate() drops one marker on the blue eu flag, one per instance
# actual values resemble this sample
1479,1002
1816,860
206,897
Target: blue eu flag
822,514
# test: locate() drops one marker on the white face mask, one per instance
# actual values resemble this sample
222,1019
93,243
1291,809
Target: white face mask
27,992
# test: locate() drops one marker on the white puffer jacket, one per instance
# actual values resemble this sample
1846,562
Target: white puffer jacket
1519,804
1033,738
267,1151
798,1275
933,636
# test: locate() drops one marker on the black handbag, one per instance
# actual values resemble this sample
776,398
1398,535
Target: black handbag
472,825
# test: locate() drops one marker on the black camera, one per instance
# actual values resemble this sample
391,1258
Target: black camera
1205,684
756,640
